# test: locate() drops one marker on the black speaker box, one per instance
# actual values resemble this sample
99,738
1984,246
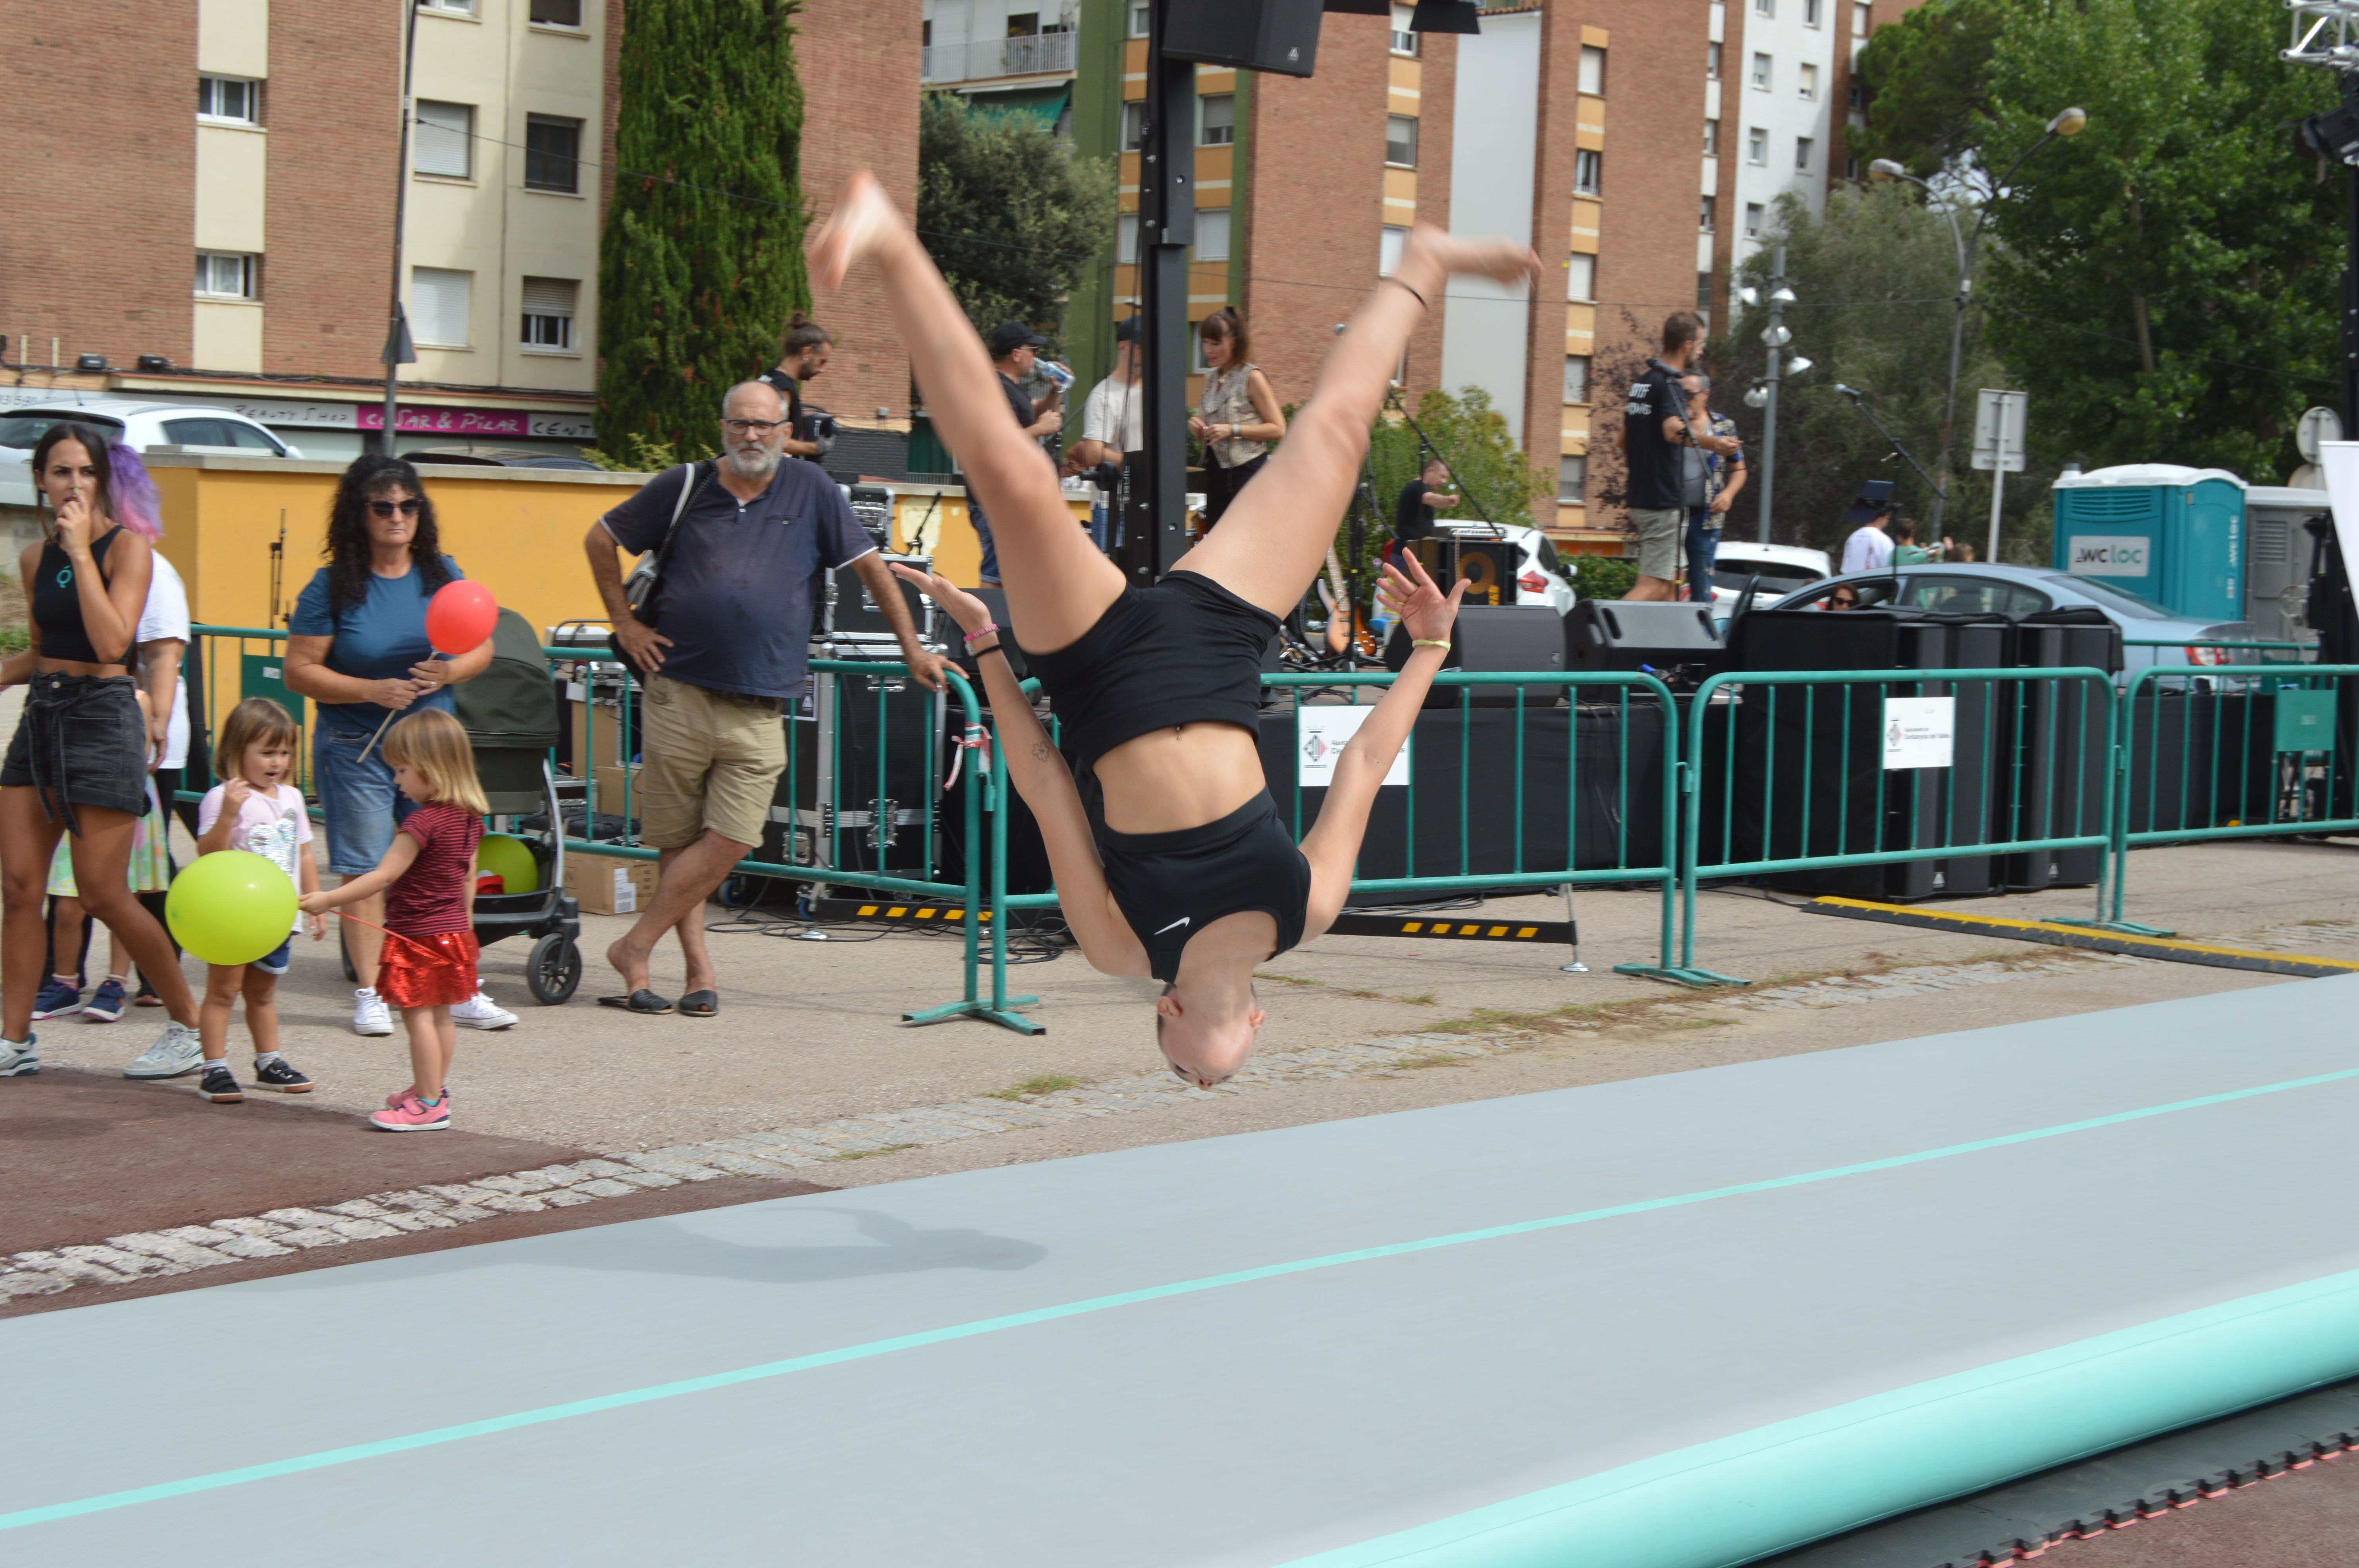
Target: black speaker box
1280,36
1622,635
2060,777
1821,640
1519,639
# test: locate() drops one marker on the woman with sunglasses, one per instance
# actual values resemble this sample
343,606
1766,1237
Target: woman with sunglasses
357,648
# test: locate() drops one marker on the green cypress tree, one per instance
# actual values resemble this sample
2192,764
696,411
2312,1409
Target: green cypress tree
701,266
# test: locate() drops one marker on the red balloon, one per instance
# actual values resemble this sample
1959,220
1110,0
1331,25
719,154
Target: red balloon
460,617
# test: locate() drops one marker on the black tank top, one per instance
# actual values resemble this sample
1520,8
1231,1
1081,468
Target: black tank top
57,602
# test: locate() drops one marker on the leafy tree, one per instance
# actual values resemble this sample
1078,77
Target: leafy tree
2166,285
1011,216
701,266
1473,438
1927,84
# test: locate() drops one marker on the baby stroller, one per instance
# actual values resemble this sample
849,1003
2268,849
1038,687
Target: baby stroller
511,715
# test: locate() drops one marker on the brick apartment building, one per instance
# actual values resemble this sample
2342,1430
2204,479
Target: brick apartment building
280,190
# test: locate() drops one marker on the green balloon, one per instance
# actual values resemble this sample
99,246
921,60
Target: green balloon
231,907
511,859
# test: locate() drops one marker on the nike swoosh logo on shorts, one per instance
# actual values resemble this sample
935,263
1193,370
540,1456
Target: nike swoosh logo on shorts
1176,925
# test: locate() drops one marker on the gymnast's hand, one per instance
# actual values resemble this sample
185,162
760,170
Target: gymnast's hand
1420,606
970,612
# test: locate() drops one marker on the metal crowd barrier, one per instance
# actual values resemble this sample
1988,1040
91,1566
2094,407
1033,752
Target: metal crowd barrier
2265,653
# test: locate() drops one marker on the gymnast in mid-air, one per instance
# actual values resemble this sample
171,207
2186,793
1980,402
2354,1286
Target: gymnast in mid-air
1181,868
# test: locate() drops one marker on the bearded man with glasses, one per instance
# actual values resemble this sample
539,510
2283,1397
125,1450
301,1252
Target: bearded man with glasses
722,645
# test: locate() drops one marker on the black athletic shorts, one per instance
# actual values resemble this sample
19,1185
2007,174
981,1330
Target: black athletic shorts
1171,885
80,742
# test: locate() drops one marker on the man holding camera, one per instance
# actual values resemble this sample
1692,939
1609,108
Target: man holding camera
1655,432
1113,425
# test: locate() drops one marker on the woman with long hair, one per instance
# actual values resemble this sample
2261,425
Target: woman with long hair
1237,418
1184,872
357,648
78,762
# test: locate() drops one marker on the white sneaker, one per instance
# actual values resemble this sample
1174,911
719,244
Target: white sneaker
19,1061
479,1011
370,1015
176,1052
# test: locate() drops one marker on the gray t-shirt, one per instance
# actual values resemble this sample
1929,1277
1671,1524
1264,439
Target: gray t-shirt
735,597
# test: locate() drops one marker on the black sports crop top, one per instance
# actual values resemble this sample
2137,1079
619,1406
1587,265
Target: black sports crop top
1171,885
1185,651
57,604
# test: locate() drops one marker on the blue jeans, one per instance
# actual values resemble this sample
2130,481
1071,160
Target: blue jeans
363,807
982,530
1703,548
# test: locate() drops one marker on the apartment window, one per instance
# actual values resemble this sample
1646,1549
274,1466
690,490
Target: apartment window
1126,238
1802,146
229,98
1581,277
1809,81
1400,140
557,13
1139,18
1134,125
1753,220
1217,118
1711,212
222,275
1851,168
1576,378
1712,63
1703,291
553,153
1389,250
1712,138
1591,79
1757,145
1862,20
1588,172
1404,40
549,313
1761,72
446,139
455,7
1212,233
1858,94
1023,24
1765,8
1572,481
438,302
1810,13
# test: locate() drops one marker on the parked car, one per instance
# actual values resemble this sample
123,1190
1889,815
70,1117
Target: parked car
138,424
500,456
1781,569
1979,588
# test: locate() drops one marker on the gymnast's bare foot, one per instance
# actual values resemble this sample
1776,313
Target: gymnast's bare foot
864,222
1502,261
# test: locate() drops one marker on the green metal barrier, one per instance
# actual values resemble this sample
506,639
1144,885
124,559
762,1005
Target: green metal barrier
2245,757
259,671
1993,800
2265,653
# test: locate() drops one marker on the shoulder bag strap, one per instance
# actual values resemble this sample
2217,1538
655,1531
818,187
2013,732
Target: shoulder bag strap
691,483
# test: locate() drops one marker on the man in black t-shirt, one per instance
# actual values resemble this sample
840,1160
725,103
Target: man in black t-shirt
1015,349
807,348
1413,512
1653,432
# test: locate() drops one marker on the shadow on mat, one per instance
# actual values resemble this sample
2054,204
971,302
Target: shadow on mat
668,1247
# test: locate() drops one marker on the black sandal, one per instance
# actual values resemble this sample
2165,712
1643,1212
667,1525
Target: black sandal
699,1004
638,1001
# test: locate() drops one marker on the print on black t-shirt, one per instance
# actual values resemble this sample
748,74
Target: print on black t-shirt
1653,462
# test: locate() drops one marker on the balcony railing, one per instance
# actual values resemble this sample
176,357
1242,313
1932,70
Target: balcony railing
1035,56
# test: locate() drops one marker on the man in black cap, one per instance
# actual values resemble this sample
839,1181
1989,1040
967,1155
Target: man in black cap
1015,349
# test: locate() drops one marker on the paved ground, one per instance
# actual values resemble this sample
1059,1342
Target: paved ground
2306,1520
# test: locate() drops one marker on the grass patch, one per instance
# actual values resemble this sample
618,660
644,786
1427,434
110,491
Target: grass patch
866,1153
1701,1022
1293,980
1437,1060
1037,1084
1422,999
15,639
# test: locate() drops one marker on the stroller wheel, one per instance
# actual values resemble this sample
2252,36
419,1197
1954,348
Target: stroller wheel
553,970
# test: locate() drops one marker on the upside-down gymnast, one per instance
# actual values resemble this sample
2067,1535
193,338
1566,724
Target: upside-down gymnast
1184,873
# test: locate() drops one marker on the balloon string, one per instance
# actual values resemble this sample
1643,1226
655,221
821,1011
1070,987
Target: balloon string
390,714
397,936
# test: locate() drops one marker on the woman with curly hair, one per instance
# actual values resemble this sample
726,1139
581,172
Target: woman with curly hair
77,763
357,648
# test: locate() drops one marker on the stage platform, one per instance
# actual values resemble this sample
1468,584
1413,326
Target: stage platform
1685,1320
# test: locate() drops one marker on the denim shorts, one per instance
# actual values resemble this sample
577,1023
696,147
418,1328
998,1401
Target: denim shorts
80,742
279,959
363,807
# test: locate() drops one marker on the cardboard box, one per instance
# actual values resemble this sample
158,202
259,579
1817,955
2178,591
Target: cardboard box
606,740
604,885
610,781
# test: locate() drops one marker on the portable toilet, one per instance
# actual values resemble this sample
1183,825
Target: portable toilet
2172,534
2276,558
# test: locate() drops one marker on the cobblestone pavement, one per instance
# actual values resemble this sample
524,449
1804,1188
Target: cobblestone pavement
800,1153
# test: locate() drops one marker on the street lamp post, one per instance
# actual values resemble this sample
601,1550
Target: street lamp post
1763,393
2069,123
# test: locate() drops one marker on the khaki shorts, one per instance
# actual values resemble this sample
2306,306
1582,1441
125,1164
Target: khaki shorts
710,761
1662,532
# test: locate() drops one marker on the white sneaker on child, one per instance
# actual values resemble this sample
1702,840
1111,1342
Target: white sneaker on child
177,1051
18,1059
479,1011
370,1015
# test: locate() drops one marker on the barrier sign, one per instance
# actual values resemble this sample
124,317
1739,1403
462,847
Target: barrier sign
1919,730
1324,732
2110,555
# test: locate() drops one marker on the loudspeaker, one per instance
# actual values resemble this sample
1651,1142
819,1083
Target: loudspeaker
1662,635
1821,640
861,791
1525,639
1489,566
851,611
1280,36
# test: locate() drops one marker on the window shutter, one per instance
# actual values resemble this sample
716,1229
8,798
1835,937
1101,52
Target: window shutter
438,306
445,141
548,296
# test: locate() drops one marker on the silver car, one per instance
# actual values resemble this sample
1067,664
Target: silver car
138,423
1979,588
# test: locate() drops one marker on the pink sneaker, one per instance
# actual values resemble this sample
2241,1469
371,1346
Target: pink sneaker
413,1115
393,1101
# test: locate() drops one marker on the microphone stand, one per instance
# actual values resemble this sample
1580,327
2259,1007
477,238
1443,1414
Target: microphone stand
1857,402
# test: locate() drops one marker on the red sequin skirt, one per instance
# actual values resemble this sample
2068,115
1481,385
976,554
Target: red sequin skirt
428,971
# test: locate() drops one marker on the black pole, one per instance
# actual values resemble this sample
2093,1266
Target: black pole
1167,227
2350,285
1900,450
397,349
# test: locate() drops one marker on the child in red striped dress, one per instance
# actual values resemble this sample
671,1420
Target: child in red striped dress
427,876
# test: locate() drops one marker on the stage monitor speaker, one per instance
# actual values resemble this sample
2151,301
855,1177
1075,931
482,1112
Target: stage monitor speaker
1488,565
1527,639
1280,36
1659,635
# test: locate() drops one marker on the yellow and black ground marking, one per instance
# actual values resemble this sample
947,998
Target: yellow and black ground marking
912,913
2090,938
1559,932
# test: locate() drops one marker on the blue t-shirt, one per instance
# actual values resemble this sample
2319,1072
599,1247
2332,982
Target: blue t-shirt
735,597
377,638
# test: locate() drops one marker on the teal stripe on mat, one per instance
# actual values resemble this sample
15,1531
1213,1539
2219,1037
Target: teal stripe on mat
604,1402
1743,1498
